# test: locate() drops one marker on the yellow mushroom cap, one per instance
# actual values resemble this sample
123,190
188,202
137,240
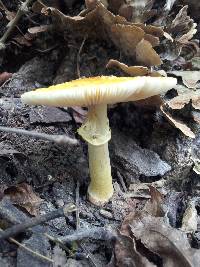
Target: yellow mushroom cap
99,90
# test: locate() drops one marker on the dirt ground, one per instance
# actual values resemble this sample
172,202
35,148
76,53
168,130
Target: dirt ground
154,160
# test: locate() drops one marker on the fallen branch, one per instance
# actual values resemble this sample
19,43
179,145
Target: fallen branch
11,25
58,139
16,229
98,233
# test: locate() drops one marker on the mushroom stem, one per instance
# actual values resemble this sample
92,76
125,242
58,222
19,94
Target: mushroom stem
96,132
100,189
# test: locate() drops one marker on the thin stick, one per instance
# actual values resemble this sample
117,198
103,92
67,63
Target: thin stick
22,10
79,57
59,139
29,250
59,242
122,181
16,229
77,205
98,233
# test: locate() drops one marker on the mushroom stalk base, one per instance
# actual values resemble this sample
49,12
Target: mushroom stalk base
100,189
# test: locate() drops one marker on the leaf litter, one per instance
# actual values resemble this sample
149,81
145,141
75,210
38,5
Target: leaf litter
146,235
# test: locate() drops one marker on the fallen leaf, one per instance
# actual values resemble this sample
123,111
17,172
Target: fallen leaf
23,196
114,5
181,29
179,124
127,37
101,23
153,40
183,99
38,29
189,221
22,40
126,253
169,243
4,76
137,11
132,70
155,205
189,78
146,55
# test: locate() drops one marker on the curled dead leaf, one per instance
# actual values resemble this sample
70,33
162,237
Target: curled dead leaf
39,29
178,124
181,29
189,78
181,100
4,76
23,196
153,40
127,37
101,23
146,55
169,243
132,70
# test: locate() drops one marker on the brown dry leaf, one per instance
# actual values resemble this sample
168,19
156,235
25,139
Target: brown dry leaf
39,29
132,70
126,254
189,78
127,37
146,55
179,124
23,196
4,76
181,100
155,205
137,10
22,40
114,5
153,40
150,29
101,23
91,4
9,14
181,29
170,244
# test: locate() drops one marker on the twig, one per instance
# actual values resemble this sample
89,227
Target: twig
59,139
57,240
16,229
122,181
29,250
77,205
22,10
79,56
99,233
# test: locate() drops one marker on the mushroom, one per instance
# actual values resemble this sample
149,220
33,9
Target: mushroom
95,93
